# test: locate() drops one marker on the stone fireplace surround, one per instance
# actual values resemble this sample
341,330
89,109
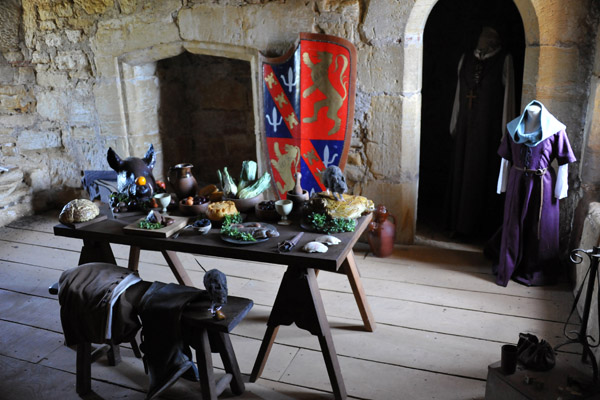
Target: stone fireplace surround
137,93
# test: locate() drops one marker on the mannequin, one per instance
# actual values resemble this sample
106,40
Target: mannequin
484,102
532,122
529,250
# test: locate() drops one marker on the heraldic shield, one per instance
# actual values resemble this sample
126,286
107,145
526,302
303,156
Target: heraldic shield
308,109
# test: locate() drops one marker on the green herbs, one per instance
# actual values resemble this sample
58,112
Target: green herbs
145,224
324,223
229,229
232,219
118,197
235,234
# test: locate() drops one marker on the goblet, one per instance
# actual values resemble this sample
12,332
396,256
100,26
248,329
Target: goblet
283,208
163,199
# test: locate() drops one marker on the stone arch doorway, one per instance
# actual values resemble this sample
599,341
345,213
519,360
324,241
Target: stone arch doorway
445,204
414,82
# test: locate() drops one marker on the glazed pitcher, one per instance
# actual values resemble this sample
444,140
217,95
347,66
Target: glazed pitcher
382,232
183,182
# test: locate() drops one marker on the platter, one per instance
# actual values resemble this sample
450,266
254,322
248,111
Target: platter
164,232
75,225
236,241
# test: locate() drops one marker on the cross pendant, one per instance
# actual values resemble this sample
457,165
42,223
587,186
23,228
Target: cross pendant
471,96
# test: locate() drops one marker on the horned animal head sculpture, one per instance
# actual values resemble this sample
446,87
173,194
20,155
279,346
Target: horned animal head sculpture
130,170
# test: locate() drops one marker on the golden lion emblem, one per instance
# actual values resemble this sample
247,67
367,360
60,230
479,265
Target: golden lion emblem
320,77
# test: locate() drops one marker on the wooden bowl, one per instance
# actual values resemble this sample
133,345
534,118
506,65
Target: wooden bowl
245,205
195,209
265,215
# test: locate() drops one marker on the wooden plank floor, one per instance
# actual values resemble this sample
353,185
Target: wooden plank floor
441,322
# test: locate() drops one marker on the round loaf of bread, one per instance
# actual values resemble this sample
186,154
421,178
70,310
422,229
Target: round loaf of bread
218,210
78,210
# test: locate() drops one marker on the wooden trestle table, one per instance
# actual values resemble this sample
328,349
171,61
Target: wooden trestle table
298,299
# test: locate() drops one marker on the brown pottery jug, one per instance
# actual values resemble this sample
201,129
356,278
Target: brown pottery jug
184,184
382,232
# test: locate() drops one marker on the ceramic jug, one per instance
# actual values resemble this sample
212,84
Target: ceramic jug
184,183
382,232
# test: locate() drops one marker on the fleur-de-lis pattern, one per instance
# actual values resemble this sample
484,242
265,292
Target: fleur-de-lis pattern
272,120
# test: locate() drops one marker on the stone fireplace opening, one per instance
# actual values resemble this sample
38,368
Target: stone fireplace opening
205,113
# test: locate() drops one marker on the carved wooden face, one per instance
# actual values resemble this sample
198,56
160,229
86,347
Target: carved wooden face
132,168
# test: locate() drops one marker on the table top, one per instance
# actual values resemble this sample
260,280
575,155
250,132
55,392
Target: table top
211,244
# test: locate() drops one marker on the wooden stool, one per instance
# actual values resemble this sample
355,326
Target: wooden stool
201,331
206,335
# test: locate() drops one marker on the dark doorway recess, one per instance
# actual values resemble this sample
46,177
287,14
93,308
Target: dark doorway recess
206,114
452,29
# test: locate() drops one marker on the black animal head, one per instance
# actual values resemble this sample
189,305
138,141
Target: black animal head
131,168
215,282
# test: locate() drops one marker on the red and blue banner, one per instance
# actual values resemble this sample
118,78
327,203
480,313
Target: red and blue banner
308,109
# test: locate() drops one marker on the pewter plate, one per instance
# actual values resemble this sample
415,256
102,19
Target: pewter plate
236,241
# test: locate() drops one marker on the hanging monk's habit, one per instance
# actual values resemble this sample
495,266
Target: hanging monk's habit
484,102
529,251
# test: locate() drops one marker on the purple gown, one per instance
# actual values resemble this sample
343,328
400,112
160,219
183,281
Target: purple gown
529,251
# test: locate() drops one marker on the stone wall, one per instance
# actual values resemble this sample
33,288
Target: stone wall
78,76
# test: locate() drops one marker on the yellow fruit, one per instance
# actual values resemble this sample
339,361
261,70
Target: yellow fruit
140,181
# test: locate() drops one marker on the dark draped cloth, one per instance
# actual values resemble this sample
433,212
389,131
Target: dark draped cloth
472,205
529,252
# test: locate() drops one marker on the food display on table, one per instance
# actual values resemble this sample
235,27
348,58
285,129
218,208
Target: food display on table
195,205
207,190
156,224
323,222
248,191
78,210
323,213
202,225
328,240
161,186
265,211
315,247
154,220
234,230
122,202
218,210
350,206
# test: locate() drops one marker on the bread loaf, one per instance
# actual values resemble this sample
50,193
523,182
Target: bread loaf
79,210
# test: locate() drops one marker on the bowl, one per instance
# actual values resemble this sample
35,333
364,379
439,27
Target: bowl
195,209
202,226
266,214
244,205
